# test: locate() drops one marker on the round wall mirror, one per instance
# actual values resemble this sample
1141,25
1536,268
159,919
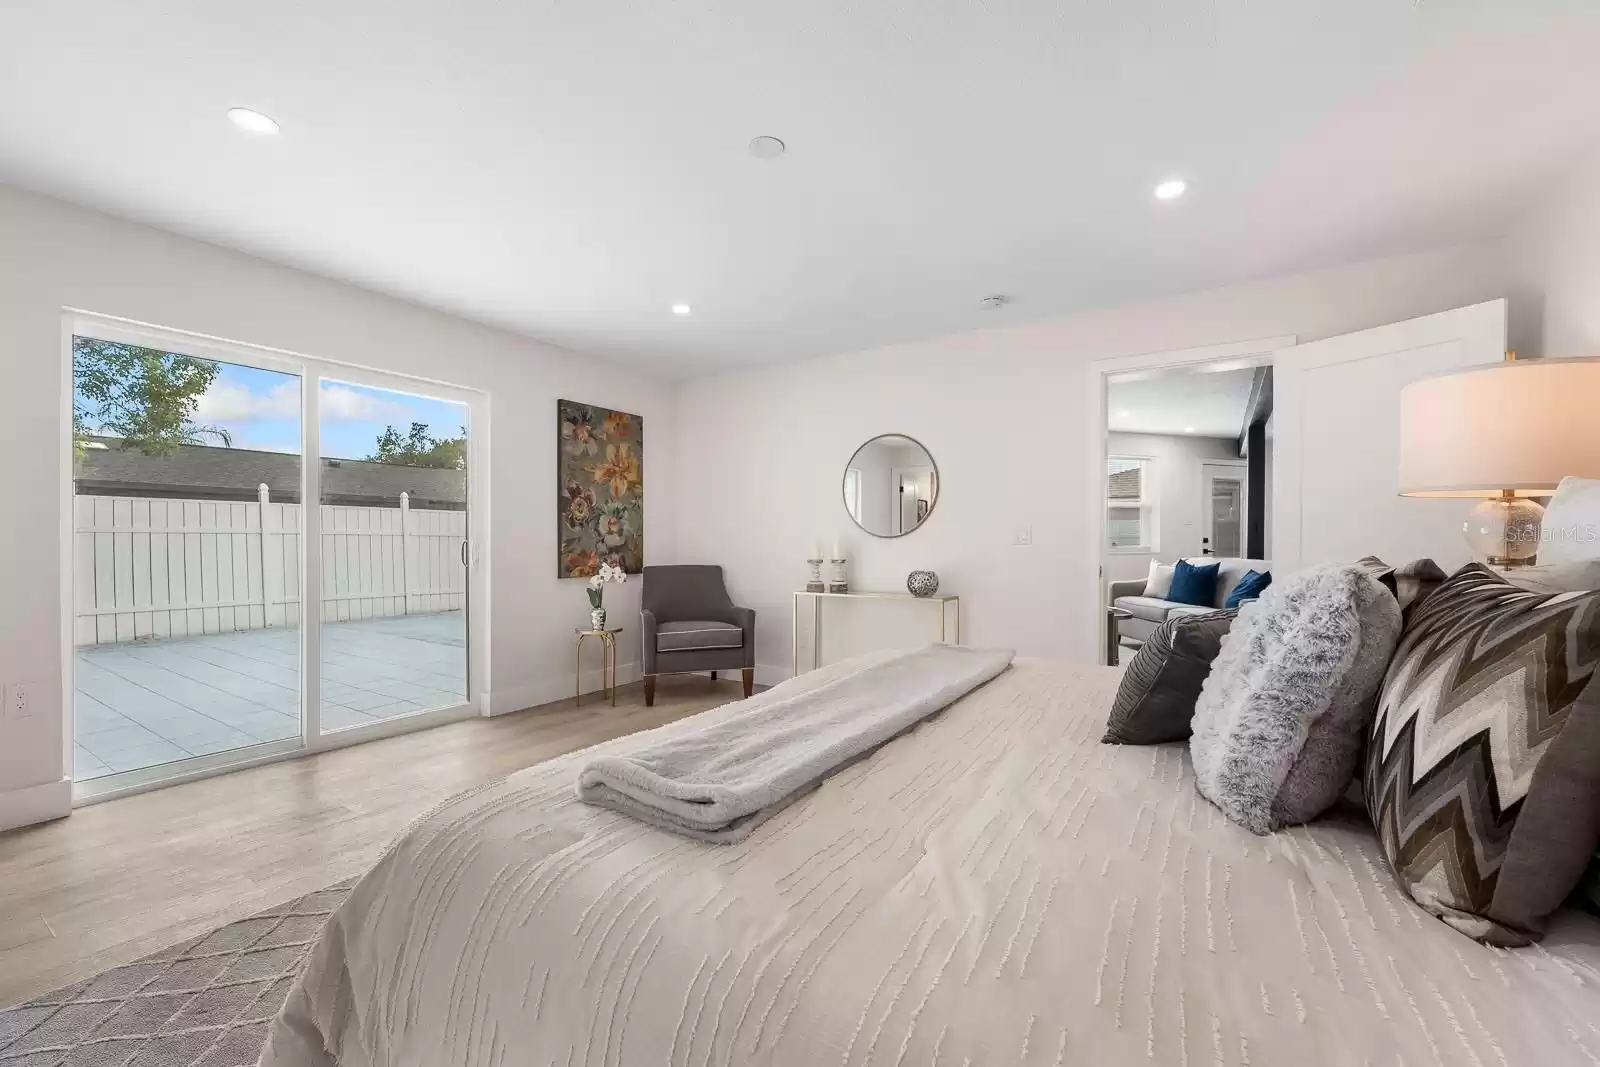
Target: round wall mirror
891,485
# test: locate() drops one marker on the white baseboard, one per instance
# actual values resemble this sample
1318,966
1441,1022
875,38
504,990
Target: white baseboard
531,695
35,803
771,674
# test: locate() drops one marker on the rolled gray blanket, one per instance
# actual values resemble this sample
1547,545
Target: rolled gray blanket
718,783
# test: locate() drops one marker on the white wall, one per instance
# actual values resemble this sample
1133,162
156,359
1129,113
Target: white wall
53,255
1001,410
1555,254
1179,510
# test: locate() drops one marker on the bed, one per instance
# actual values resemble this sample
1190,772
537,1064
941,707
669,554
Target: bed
994,887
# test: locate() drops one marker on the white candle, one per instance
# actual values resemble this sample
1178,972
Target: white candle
816,550
838,551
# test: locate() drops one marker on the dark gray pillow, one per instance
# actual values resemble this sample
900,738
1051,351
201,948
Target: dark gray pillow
1160,686
1409,582
1587,895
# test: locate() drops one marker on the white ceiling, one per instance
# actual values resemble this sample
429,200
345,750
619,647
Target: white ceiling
570,168
1201,404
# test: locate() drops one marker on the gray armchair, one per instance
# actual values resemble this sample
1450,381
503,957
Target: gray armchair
689,623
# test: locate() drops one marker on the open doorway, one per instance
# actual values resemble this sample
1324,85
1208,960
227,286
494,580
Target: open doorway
1186,456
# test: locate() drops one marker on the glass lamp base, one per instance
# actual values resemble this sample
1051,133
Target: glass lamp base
1504,531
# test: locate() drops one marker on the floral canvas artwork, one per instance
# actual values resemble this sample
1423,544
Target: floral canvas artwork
600,473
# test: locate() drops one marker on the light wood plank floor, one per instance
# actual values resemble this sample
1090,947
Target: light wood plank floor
121,879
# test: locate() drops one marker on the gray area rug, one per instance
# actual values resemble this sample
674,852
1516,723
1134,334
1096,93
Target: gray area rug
203,1003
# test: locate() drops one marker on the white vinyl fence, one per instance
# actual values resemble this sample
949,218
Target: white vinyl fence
149,567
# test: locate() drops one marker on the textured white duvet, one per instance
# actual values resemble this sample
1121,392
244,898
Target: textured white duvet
993,888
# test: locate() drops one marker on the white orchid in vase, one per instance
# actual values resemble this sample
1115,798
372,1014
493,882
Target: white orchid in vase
608,574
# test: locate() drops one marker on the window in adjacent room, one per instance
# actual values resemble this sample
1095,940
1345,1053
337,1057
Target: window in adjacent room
852,492
1130,504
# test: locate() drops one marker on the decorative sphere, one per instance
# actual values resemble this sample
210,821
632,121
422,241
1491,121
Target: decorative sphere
922,583
1504,532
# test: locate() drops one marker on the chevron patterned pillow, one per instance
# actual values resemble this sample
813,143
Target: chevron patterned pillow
1483,765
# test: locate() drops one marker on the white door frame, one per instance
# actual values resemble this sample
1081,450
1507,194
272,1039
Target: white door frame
1207,476
311,371
1251,353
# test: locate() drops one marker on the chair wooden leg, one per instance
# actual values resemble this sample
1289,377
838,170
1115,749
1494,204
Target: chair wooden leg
649,690
749,680
713,676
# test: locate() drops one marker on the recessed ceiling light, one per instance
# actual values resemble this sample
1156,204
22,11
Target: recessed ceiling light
681,309
251,121
995,302
1171,189
765,147
1188,429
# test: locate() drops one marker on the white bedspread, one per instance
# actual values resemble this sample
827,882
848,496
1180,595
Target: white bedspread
994,887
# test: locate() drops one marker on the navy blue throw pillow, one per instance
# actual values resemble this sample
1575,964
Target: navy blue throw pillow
1194,584
1249,587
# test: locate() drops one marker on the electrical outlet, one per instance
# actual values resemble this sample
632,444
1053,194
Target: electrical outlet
1022,537
18,697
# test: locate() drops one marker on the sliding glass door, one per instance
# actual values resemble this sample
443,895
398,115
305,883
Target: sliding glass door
184,643
394,566
215,617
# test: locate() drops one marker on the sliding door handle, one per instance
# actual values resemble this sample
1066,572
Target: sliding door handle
465,554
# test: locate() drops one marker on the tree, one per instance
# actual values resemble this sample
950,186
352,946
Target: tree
143,395
419,448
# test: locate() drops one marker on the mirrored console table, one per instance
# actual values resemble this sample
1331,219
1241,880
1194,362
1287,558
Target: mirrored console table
948,611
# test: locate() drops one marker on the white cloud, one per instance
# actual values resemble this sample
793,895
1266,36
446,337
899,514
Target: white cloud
229,403
342,404
235,403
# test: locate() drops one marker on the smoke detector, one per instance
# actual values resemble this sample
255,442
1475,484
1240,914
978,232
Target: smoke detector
995,302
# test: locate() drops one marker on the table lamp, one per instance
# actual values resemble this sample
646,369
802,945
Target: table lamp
1506,432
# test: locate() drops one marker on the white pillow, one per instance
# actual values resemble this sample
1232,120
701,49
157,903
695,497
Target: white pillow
1572,523
1159,582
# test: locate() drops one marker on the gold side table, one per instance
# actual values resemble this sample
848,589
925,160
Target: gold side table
608,663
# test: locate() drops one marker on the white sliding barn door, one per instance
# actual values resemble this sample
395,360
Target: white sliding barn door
1336,403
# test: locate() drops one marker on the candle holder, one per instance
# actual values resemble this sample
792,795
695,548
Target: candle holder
815,584
839,584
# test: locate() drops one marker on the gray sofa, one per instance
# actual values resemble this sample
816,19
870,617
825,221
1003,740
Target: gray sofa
1146,613
689,623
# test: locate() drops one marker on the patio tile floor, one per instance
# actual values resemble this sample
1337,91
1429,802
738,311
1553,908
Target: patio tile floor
148,702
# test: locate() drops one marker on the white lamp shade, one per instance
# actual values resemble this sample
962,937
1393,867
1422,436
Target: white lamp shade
1520,425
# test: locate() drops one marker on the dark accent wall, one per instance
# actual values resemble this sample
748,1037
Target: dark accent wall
1255,526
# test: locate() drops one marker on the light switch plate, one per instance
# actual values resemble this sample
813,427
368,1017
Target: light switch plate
1022,537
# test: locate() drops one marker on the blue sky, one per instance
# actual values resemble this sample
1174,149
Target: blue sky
260,409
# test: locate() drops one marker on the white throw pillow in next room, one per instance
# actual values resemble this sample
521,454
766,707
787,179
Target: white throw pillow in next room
1159,582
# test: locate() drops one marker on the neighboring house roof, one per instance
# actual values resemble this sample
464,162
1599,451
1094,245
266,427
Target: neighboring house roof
206,473
1124,485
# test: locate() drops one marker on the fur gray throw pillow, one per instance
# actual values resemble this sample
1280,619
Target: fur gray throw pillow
1278,727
